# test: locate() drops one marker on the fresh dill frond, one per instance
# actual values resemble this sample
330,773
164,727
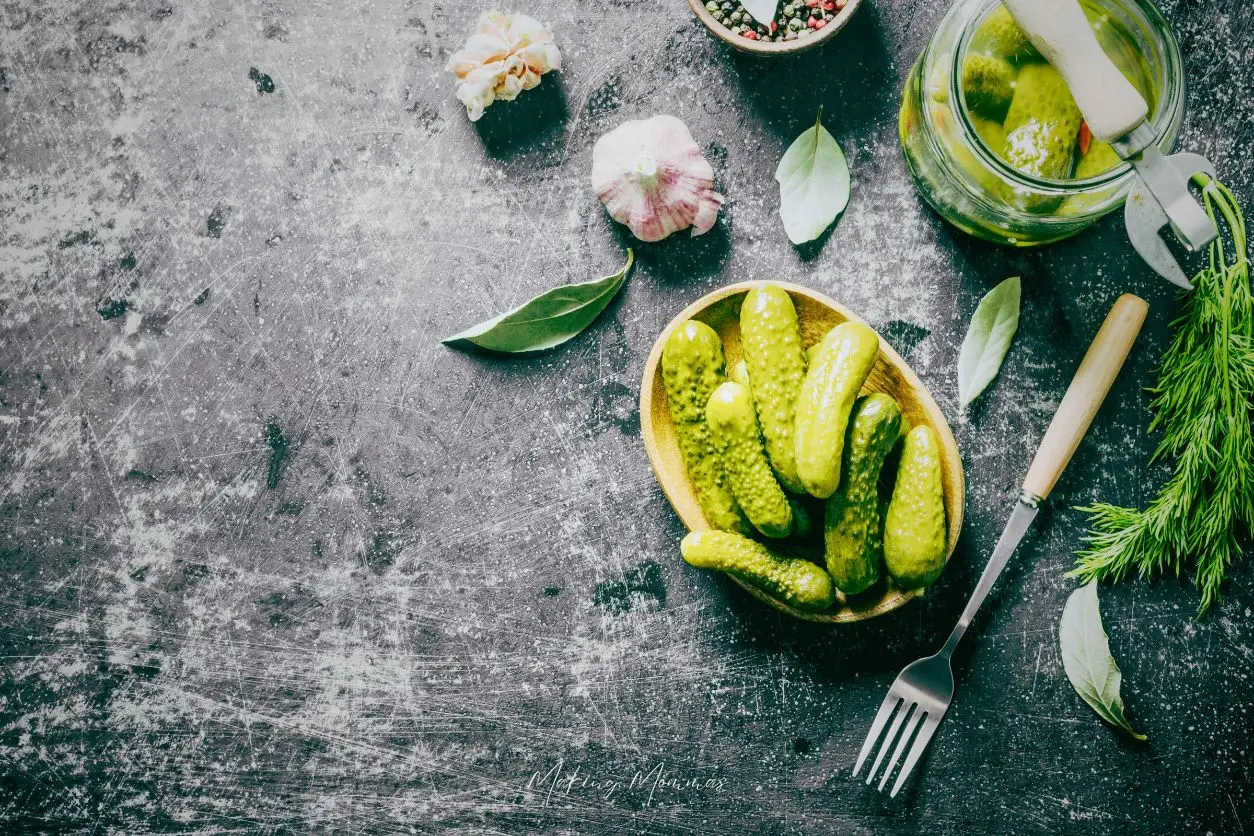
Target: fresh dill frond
1202,404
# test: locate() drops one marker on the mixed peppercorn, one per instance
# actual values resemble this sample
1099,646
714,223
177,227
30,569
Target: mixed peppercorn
794,19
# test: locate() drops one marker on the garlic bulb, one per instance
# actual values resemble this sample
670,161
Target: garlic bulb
651,176
506,55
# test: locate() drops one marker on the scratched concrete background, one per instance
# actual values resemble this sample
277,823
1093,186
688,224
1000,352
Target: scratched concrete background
273,560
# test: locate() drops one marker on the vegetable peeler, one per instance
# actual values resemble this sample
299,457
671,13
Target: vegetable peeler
1117,113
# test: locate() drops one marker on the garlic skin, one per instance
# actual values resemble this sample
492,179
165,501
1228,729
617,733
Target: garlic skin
651,176
506,55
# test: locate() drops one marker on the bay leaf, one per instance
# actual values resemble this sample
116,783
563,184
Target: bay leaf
813,184
547,320
988,339
1086,658
763,11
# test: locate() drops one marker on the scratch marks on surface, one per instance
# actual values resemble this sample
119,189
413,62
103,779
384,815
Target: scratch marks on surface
277,561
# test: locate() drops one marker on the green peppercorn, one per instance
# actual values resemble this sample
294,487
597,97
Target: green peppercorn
712,6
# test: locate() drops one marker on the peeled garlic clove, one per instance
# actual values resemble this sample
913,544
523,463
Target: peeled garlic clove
651,176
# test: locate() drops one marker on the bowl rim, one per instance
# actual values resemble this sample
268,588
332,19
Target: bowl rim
949,445
772,48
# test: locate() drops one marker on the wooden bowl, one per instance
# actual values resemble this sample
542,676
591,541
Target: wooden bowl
817,315
773,48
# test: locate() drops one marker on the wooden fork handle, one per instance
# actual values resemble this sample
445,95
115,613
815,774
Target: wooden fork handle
1098,370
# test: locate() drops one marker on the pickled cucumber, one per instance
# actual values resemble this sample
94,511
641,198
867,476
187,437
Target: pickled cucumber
1042,124
888,473
796,582
692,367
1100,159
734,430
848,352
771,341
812,352
853,525
999,34
914,526
991,133
988,85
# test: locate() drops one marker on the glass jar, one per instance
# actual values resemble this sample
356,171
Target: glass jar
978,192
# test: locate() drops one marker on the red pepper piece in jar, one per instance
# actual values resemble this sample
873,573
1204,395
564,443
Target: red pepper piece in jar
1085,138
820,24
812,22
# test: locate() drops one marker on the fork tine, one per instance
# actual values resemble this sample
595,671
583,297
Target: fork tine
889,738
920,743
881,719
906,734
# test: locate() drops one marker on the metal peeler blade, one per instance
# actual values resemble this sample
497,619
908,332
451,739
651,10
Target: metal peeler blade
1144,215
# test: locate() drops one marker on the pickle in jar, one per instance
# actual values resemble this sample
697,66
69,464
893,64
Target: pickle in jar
1006,81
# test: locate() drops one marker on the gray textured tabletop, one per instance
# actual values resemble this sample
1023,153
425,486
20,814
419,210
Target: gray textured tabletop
274,560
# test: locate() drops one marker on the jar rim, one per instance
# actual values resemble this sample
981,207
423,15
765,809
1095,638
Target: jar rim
1168,101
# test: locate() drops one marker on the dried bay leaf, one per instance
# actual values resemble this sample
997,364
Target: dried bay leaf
547,320
1086,658
993,326
813,184
763,11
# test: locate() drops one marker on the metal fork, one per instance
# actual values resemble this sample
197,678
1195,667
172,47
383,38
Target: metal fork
922,692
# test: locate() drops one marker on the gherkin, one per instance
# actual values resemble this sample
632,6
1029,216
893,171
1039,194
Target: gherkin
734,430
796,582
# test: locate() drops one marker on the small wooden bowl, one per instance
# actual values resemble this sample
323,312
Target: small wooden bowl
817,315
773,48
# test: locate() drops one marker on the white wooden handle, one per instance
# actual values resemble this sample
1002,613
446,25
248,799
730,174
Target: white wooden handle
1098,370
1058,28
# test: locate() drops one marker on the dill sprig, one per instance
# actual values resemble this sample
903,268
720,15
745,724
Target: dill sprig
1202,403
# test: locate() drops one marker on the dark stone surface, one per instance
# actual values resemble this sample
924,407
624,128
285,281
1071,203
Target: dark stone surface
274,560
